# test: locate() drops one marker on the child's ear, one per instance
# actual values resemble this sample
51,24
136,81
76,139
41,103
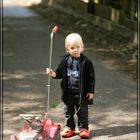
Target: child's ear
67,51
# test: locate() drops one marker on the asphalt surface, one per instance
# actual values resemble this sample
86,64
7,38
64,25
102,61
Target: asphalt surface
26,42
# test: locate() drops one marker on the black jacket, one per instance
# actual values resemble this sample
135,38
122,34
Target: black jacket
86,81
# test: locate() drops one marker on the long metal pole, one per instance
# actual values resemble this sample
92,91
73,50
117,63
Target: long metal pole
49,80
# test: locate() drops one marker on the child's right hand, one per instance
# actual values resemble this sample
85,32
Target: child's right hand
50,72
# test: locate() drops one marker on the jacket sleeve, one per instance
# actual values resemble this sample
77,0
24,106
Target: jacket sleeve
91,77
59,70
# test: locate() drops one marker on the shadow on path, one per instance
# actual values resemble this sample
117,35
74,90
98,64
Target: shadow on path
114,131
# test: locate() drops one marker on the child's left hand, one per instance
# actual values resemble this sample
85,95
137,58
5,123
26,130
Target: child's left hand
89,96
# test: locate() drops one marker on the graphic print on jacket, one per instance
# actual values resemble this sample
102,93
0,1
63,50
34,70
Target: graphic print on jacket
73,71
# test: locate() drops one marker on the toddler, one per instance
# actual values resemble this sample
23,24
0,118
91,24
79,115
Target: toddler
78,82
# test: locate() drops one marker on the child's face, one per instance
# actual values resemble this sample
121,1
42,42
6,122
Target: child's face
75,50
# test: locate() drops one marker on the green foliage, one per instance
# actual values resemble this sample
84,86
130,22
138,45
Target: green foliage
53,105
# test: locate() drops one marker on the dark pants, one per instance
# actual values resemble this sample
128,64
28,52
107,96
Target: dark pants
71,106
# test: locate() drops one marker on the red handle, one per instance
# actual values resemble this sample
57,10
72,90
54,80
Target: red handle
55,29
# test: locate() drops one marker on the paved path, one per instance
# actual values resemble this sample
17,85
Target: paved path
26,39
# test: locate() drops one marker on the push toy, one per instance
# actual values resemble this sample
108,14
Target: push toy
35,127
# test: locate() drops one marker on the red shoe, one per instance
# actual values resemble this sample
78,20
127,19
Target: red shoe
84,133
67,133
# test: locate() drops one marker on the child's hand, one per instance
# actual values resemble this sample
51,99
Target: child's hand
89,96
50,72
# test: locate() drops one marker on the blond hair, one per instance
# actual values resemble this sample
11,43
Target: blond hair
74,38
